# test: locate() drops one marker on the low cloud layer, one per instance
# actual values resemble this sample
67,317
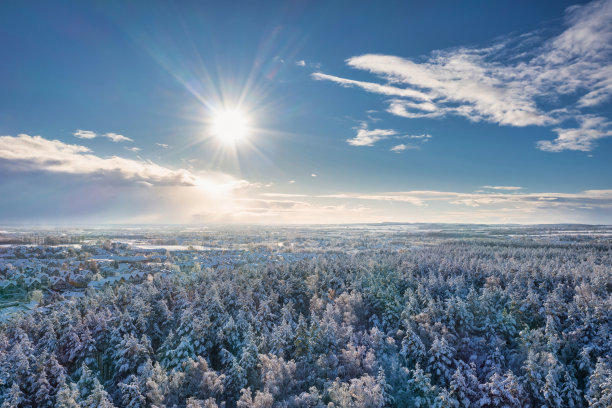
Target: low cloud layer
34,153
520,201
79,185
503,204
521,81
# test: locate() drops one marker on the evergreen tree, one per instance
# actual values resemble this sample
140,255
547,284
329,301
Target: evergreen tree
235,378
502,391
14,397
67,396
413,351
441,360
572,397
87,382
464,385
249,358
98,397
42,389
599,394
131,354
422,393
301,342
131,395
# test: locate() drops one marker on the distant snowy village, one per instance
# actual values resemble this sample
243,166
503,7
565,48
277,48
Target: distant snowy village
398,315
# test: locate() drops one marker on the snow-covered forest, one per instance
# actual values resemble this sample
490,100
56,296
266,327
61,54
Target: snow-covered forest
401,320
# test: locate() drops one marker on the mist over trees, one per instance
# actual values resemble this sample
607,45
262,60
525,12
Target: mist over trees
457,324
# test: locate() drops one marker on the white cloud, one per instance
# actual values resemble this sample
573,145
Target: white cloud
291,181
423,137
313,175
512,82
34,153
372,87
582,138
508,188
401,147
300,63
133,149
117,137
162,145
367,137
88,134
84,134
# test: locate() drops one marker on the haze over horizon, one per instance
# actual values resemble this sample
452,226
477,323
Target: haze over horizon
300,113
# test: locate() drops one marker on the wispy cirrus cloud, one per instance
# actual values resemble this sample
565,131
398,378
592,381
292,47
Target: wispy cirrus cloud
418,139
373,87
89,134
512,82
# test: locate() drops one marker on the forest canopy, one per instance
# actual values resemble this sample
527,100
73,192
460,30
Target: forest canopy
460,323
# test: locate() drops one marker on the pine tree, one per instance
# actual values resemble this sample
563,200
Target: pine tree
70,346
55,372
155,381
67,396
386,389
42,389
533,378
551,390
494,363
441,360
571,395
249,358
48,342
131,396
281,339
14,397
301,342
599,394
98,398
235,378
464,385
413,350
86,383
502,391
445,400
422,393
131,354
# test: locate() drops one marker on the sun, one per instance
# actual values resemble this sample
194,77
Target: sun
230,126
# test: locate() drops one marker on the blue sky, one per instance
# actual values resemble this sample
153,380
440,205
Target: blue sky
443,111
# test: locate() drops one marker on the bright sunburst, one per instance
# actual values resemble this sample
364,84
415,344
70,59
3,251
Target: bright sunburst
230,126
